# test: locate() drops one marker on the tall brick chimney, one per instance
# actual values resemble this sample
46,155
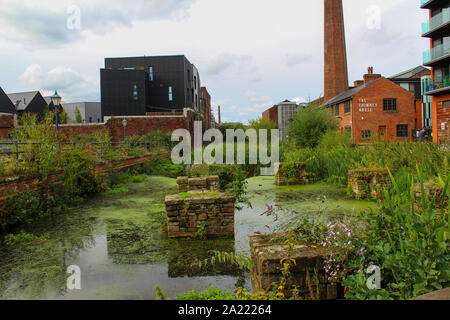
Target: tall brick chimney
336,73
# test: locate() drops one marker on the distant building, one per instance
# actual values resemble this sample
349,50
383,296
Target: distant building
411,80
282,114
90,111
31,102
375,107
438,58
6,105
138,85
206,108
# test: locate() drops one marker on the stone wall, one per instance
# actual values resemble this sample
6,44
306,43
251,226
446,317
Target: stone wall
309,263
366,183
432,189
209,183
212,212
291,174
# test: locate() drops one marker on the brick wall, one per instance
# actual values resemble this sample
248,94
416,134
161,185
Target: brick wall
136,125
271,114
6,123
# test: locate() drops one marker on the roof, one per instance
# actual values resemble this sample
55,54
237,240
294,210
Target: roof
286,102
409,73
21,100
347,95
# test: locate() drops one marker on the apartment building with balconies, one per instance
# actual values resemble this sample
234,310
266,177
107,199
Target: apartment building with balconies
437,29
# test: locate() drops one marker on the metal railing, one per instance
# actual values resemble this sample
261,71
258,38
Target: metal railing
436,52
437,21
435,85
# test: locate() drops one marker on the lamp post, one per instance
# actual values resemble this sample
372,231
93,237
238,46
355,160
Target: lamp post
56,100
124,123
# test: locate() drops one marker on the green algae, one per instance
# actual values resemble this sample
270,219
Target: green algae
117,238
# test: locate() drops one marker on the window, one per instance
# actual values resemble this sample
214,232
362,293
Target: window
135,93
446,104
347,108
336,109
402,131
366,134
390,105
90,119
170,94
348,130
150,72
189,76
195,83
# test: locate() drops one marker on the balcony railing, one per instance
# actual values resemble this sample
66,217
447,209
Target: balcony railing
437,21
436,85
436,53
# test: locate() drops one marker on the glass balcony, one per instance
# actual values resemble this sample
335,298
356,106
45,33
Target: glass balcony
437,52
436,85
437,21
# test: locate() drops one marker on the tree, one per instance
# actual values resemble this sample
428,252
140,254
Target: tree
63,117
310,124
78,117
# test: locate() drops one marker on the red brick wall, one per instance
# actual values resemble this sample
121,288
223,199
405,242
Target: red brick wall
374,94
271,114
440,115
165,122
6,123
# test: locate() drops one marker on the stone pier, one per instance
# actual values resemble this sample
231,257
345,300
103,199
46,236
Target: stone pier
367,183
210,183
200,209
307,274
291,174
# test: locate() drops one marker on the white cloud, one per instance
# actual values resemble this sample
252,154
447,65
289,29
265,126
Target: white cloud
299,100
44,23
71,86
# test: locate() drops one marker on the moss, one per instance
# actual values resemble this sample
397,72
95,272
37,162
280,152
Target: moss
187,195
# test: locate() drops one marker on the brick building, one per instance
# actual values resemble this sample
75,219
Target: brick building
206,109
376,107
437,29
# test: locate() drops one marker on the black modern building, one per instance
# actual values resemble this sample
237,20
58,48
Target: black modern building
137,85
6,106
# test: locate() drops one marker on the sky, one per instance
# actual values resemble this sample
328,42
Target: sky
251,54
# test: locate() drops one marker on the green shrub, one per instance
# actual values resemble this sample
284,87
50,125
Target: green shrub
309,125
209,294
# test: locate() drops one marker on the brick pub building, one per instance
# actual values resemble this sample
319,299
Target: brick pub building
437,29
376,107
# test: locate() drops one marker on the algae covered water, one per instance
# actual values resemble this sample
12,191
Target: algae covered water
122,253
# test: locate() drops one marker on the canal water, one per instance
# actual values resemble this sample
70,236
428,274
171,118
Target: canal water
118,244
